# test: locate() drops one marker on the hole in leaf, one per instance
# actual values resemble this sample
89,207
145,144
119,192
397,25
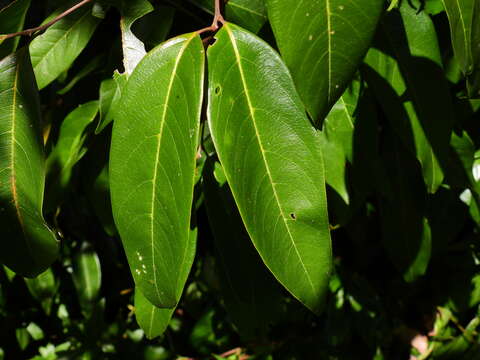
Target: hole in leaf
218,89
293,216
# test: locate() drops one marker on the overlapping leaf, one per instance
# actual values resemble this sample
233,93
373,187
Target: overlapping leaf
152,166
153,320
55,50
464,19
12,18
323,42
28,246
401,74
272,160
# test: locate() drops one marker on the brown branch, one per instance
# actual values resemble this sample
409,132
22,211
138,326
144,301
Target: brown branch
218,19
30,32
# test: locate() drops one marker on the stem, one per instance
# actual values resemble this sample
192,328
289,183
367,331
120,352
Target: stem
30,32
218,19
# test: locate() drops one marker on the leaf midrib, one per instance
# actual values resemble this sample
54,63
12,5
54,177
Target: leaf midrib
262,151
157,157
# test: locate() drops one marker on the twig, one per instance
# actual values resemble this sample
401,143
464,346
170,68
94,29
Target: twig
218,19
30,32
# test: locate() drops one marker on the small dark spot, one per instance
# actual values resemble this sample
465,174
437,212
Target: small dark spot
293,216
218,89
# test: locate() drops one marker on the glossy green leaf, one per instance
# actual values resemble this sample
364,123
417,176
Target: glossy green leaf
464,19
87,277
133,48
272,159
249,14
68,150
56,49
250,292
153,320
32,246
12,18
323,42
401,73
43,288
406,231
152,166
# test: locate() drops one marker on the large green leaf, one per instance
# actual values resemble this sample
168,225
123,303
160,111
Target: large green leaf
250,292
464,19
153,320
323,42
152,166
133,48
272,159
28,246
12,18
54,51
401,72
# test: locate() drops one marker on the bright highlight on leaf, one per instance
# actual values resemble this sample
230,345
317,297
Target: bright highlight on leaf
152,166
272,160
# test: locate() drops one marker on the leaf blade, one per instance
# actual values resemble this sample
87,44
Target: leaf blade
241,50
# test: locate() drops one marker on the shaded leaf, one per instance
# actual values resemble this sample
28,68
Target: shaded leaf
43,288
32,246
464,19
56,49
12,18
153,320
272,160
110,95
323,42
152,166
87,277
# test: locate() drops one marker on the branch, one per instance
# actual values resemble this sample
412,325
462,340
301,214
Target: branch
30,32
218,19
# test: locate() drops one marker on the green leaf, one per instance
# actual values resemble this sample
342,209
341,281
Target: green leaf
12,18
110,95
272,159
32,246
68,150
153,320
420,113
35,331
251,293
23,338
133,48
464,19
54,51
87,277
323,42
337,139
406,231
152,166
43,288
93,65
154,28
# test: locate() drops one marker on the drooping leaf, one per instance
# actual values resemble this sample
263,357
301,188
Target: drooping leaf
68,151
401,73
31,246
272,159
87,277
406,233
464,19
54,51
249,14
12,18
133,48
153,320
323,42
43,288
152,166
250,292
